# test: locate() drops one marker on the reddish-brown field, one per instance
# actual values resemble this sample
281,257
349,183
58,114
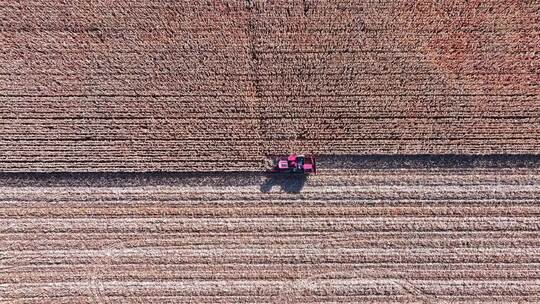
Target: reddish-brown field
218,85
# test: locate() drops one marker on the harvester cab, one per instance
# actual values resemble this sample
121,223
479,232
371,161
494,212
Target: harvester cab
299,164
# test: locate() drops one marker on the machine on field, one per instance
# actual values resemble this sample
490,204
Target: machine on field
297,164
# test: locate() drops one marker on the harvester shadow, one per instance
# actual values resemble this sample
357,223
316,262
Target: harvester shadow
287,183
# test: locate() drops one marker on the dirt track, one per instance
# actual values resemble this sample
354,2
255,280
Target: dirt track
383,234
213,86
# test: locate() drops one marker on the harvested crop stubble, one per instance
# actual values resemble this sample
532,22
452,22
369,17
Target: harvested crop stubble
213,86
390,233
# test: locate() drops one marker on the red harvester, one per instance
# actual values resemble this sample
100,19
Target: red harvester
300,164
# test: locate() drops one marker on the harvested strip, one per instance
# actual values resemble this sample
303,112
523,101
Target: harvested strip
387,233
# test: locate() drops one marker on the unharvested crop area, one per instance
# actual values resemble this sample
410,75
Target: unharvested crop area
218,85
390,233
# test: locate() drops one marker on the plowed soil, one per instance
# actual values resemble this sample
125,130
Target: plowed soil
218,85
415,231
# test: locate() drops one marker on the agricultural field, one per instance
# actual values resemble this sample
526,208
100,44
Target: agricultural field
393,232
134,137
219,85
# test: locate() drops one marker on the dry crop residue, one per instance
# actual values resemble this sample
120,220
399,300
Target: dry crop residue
346,235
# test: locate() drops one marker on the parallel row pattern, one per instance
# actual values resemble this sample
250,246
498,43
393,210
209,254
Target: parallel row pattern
345,236
217,85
